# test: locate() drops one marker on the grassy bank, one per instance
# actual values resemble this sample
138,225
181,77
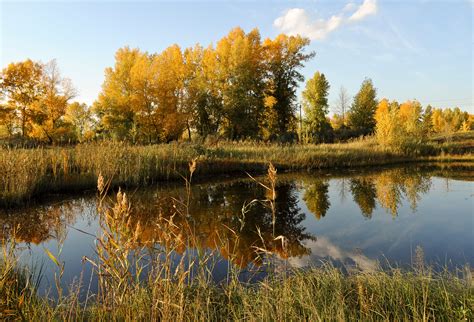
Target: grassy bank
27,173
312,295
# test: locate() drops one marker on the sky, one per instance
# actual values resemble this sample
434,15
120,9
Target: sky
411,49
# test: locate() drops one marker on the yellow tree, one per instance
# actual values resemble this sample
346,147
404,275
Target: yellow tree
21,84
114,104
203,103
79,118
240,70
7,120
170,92
48,122
143,101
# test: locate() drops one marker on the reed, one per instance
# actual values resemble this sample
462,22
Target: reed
139,280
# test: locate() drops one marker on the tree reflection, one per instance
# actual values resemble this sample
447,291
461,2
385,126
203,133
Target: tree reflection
316,196
364,194
215,222
388,187
40,224
392,185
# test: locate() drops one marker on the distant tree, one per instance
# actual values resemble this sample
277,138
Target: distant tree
315,104
427,120
362,113
342,104
400,127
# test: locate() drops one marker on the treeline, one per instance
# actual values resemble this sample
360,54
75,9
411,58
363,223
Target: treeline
402,127
241,88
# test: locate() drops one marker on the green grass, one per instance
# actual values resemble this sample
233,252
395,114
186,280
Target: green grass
29,173
313,295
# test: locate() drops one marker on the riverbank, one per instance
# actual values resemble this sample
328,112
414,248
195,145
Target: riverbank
304,295
30,173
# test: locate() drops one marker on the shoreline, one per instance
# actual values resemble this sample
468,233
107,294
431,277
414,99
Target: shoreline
32,174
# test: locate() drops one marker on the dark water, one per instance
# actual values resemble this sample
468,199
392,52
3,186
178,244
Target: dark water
357,219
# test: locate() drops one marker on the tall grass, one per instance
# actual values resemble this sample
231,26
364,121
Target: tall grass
141,281
28,173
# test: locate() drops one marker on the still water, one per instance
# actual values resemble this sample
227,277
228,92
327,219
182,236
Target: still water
359,218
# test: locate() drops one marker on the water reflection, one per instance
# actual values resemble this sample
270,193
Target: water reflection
214,219
317,198
43,223
389,188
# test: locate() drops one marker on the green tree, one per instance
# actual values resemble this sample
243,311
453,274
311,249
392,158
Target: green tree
364,105
284,57
427,120
315,105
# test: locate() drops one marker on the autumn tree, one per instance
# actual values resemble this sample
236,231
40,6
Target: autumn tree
240,70
400,127
284,57
48,122
448,121
203,102
8,120
21,84
427,120
79,117
362,114
114,104
170,95
315,104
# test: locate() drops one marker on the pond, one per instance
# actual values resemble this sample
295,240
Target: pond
357,219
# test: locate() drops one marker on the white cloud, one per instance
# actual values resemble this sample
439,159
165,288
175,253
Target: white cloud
296,20
324,248
367,8
350,6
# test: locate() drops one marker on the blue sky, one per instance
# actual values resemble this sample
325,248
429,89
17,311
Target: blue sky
411,49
